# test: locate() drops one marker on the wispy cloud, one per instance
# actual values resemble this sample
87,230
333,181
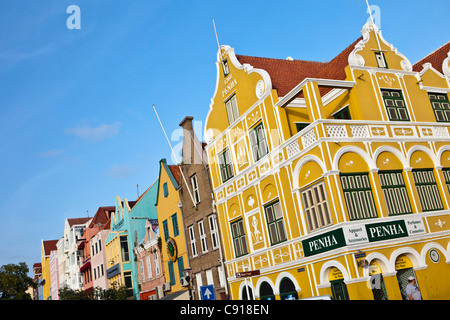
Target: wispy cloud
95,134
121,171
50,153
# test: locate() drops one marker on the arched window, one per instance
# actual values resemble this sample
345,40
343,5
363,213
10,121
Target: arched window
287,290
266,291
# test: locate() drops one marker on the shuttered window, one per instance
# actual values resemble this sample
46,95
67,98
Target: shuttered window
258,142
395,105
358,195
441,106
239,241
427,189
394,192
275,223
316,207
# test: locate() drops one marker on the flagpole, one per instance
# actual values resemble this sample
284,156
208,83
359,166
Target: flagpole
176,159
371,18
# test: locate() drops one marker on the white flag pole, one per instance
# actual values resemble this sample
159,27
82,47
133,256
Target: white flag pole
176,159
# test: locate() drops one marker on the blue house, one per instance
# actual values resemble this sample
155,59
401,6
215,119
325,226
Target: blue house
127,230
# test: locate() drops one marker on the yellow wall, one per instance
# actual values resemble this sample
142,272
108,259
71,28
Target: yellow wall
321,153
166,207
45,261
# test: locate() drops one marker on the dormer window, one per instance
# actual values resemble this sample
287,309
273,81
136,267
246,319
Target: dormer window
225,68
380,60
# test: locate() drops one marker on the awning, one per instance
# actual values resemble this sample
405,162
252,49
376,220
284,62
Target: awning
81,245
179,295
85,266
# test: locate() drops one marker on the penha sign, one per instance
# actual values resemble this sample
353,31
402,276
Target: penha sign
363,233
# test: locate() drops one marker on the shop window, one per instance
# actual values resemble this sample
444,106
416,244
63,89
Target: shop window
395,105
225,165
232,109
441,106
394,191
275,223
287,290
239,241
427,189
358,195
316,208
258,142
339,290
266,291
247,293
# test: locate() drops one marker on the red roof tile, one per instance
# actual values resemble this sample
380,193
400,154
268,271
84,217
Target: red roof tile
285,74
175,172
102,215
436,58
49,245
74,221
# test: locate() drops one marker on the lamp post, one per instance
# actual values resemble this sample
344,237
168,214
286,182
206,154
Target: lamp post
187,275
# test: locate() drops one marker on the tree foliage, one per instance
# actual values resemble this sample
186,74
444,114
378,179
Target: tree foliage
14,282
97,293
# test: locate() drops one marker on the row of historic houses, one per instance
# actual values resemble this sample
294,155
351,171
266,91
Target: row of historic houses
317,179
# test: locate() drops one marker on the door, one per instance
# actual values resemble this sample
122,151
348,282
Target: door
339,290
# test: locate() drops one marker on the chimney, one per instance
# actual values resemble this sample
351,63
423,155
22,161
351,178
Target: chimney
192,148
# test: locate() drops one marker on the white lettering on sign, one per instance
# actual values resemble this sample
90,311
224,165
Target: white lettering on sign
383,231
322,243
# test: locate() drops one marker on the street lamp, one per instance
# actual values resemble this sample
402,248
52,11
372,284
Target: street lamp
187,275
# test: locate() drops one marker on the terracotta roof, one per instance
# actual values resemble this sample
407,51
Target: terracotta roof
49,245
102,215
74,221
436,58
335,69
285,74
175,172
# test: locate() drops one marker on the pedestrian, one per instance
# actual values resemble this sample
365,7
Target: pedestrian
413,291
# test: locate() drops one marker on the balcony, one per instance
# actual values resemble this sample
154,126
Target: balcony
358,130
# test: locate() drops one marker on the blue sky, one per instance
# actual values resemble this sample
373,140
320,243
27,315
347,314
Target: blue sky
78,128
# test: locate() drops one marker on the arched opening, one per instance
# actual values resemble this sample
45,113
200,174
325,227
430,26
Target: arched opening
287,290
266,291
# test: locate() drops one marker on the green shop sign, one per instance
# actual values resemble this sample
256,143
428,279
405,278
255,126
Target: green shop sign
324,242
386,230
362,233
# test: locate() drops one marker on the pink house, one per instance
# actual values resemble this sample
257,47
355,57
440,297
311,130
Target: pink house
149,263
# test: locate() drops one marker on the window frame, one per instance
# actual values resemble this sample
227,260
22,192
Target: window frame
256,144
224,166
395,106
446,173
195,188
232,109
276,224
383,57
202,233
440,102
316,208
239,240
424,198
214,231
176,230
395,196
193,241
225,68
356,207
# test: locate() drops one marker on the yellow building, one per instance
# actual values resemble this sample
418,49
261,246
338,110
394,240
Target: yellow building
333,178
171,230
46,247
